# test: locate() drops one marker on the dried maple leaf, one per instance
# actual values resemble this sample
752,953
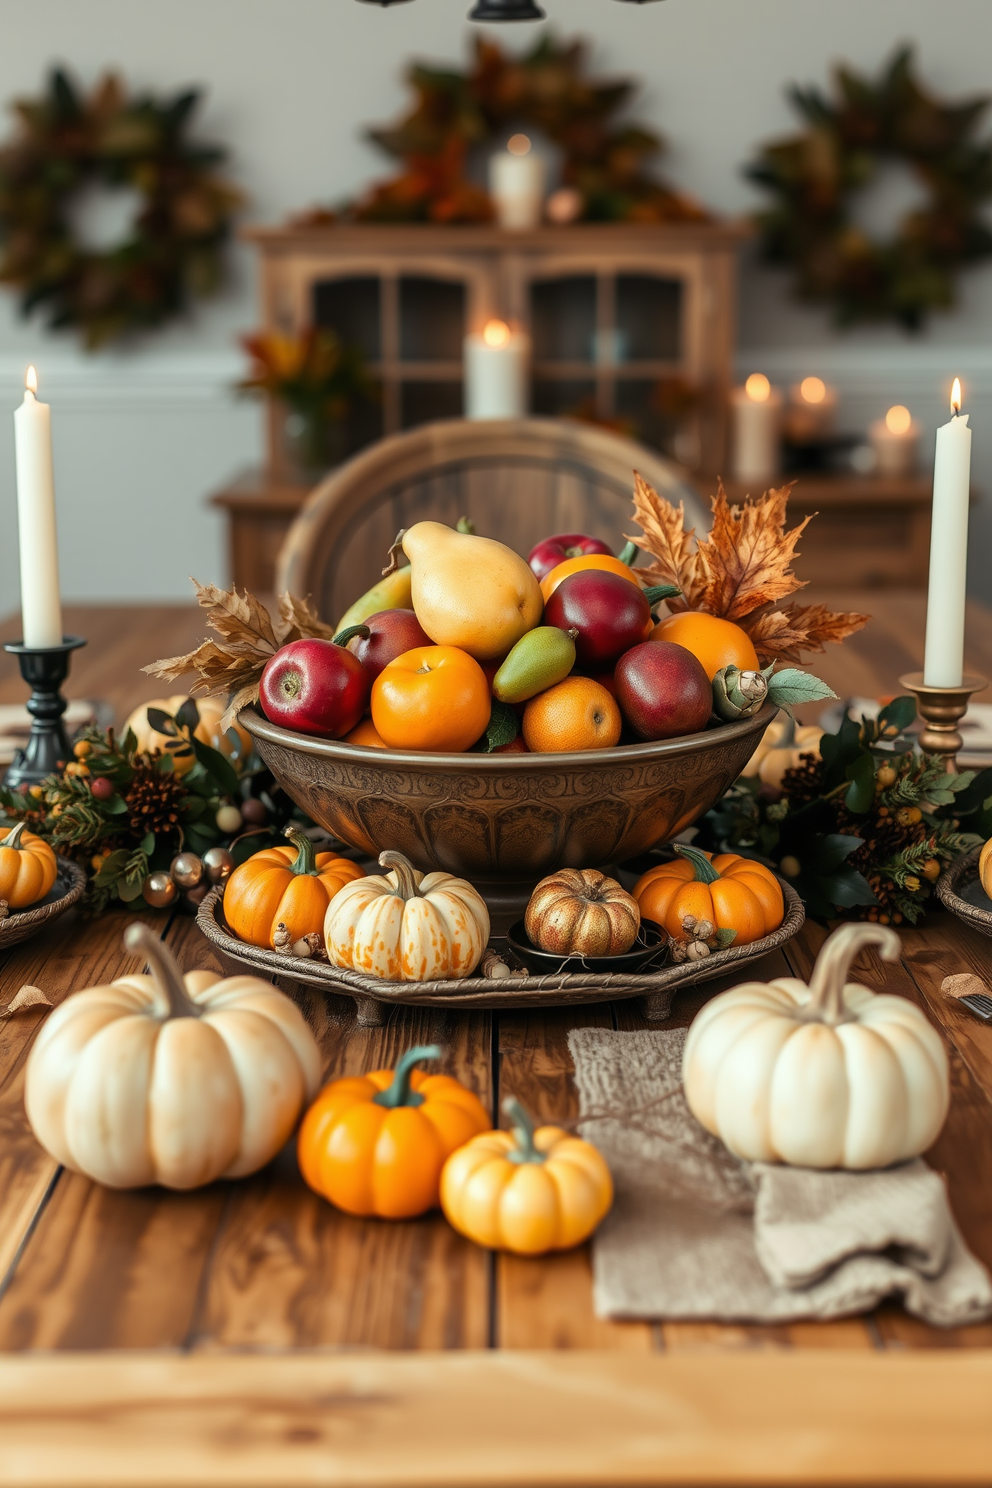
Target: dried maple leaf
783,635
746,561
234,664
666,539
246,694
297,618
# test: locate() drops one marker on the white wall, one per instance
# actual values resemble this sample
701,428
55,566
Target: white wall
142,436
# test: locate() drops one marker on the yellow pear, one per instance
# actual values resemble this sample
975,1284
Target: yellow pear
470,591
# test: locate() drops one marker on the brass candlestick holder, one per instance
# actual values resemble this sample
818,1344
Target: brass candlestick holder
942,709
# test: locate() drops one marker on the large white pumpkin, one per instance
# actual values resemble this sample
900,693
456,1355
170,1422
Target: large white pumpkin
170,1079
829,1075
407,926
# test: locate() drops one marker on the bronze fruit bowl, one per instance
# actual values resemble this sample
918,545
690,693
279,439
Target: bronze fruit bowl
506,820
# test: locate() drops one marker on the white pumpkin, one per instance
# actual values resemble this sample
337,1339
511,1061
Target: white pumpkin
170,1079
829,1075
407,926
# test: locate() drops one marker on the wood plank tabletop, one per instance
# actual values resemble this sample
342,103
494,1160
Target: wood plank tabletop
177,1338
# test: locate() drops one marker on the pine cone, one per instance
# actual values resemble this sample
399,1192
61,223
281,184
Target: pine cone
154,800
804,782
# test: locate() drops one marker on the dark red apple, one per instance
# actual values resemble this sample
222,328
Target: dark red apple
314,687
390,634
663,690
609,613
554,550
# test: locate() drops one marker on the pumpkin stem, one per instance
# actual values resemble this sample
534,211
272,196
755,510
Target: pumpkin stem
826,985
704,871
13,837
658,592
164,970
405,873
399,1092
306,857
629,554
523,1133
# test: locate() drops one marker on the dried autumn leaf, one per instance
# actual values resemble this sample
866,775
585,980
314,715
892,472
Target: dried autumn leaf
666,539
241,619
783,635
297,618
746,561
245,695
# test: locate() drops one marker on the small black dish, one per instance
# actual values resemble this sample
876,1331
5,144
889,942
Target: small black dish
649,946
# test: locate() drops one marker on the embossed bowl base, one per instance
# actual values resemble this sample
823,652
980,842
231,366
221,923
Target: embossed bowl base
505,821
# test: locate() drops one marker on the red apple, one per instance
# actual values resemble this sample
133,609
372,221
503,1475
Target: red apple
609,613
663,690
554,550
314,687
390,634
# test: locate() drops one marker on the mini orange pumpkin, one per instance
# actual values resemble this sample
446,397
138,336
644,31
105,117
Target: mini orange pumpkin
27,868
285,885
733,893
376,1144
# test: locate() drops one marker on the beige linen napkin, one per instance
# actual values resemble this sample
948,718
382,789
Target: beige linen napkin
694,1233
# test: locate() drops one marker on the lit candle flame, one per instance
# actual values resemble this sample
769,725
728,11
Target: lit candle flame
496,333
956,396
813,389
518,144
758,388
31,380
898,419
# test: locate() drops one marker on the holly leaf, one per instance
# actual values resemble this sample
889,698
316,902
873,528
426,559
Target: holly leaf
216,765
188,715
840,750
162,723
897,715
860,793
111,868
673,548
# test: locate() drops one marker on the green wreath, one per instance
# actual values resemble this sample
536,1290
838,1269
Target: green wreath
815,175
174,251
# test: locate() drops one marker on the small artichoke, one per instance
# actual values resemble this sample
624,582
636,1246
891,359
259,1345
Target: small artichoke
738,694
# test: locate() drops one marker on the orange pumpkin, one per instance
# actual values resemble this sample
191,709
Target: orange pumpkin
733,893
569,566
434,698
376,1144
715,643
285,885
27,868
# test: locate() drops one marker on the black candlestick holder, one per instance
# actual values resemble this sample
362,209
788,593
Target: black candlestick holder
44,671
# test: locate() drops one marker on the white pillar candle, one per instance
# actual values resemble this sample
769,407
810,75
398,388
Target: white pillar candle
895,441
943,660
496,373
516,185
41,606
757,414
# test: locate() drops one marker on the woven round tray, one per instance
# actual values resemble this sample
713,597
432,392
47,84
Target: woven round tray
959,891
70,881
565,989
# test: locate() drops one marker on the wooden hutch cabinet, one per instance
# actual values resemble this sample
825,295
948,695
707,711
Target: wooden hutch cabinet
629,323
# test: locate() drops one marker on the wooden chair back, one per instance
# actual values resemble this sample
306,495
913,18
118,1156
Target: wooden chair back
518,480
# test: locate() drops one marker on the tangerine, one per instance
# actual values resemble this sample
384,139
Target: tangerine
577,714
714,642
432,698
367,735
571,566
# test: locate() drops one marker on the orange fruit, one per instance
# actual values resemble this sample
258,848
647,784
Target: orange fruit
366,734
713,642
431,698
571,566
576,714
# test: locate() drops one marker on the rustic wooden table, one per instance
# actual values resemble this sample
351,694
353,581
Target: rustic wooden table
249,1334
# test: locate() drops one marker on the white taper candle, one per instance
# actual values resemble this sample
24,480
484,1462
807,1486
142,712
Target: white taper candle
943,659
41,605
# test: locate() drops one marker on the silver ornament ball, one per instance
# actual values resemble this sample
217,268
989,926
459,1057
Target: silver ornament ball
158,890
186,870
218,863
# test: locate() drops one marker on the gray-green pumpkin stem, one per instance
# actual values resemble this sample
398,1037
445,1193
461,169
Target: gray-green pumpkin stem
658,592
13,837
629,554
164,969
404,870
306,857
704,871
522,1128
399,1092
